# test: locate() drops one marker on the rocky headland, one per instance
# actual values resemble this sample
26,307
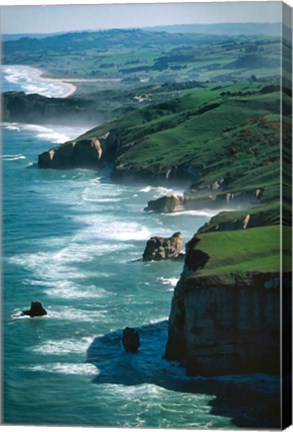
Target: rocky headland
88,153
225,313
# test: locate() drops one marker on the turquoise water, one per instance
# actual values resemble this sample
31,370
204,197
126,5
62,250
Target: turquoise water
73,240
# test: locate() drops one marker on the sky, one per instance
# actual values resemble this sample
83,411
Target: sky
52,18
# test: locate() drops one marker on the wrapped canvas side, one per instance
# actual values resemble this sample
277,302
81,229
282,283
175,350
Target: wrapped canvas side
286,211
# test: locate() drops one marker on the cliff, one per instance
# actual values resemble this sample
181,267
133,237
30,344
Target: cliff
225,313
225,146
88,153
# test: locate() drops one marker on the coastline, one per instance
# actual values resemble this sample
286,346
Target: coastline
69,83
38,74
71,87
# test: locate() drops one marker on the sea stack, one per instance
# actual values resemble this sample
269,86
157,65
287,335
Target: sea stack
130,340
35,310
160,248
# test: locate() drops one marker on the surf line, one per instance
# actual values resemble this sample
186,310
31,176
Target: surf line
71,88
38,75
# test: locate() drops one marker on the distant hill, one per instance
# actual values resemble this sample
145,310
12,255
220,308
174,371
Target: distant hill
267,29
17,36
160,56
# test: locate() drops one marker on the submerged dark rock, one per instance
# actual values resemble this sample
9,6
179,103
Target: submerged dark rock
160,248
35,310
130,340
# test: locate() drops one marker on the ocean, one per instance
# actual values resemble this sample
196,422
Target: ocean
74,240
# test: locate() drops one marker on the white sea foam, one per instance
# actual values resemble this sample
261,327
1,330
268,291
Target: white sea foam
62,277
130,231
65,368
11,126
146,189
165,191
106,193
64,313
60,261
161,190
73,314
18,314
168,281
69,290
205,212
156,320
96,180
100,228
55,134
34,127
30,81
13,157
101,200
63,346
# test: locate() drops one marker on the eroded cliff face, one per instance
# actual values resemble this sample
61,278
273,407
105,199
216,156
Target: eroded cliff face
87,153
217,328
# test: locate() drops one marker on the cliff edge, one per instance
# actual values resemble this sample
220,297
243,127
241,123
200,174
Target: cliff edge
94,152
225,312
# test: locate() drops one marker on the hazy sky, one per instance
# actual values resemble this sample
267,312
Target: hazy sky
48,19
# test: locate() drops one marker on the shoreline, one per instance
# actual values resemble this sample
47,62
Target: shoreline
38,74
71,87
69,84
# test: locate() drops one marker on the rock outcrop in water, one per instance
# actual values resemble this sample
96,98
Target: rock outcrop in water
130,340
35,310
199,201
166,204
160,248
84,153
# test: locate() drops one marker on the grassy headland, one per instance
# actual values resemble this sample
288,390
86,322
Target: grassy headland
200,107
235,253
231,134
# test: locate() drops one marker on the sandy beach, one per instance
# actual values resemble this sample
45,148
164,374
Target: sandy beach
68,82
71,87
67,86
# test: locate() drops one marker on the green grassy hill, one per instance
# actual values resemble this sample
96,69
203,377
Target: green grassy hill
158,56
231,133
239,253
